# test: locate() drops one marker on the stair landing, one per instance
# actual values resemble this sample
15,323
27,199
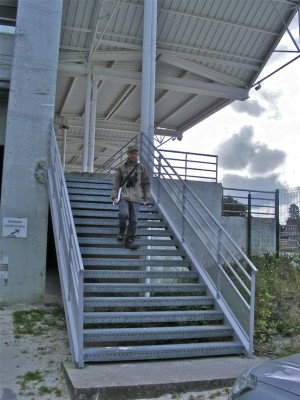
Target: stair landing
151,379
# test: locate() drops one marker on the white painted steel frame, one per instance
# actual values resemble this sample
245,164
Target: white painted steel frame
68,252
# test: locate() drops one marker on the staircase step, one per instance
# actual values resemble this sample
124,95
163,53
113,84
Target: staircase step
114,274
143,317
89,230
87,178
167,301
96,202
98,221
89,184
143,288
113,241
162,351
157,333
99,192
88,210
139,252
127,262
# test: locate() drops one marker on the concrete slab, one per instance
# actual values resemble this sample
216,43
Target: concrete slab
145,380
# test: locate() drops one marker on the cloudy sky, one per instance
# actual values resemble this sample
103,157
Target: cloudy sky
257,141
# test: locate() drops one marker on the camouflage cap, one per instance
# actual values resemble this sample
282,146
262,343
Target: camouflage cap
132,148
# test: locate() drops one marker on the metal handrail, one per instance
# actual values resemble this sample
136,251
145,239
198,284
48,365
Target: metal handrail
189,166
67,249
227,271
116,160
262,202
193,166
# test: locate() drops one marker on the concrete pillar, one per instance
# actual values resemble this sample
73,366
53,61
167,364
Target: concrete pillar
24,200
3,114
148,72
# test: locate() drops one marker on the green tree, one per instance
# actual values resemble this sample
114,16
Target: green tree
232,208
294,216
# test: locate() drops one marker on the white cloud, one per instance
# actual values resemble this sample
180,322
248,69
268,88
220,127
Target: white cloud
250,107
257,140
268,183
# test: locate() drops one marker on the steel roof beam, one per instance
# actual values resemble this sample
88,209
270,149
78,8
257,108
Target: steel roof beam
201,71
128,55
185,85
215,20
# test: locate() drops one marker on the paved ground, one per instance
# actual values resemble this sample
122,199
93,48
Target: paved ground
164,379
31,367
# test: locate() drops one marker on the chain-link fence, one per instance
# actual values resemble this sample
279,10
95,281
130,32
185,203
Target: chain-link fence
289,217
272,219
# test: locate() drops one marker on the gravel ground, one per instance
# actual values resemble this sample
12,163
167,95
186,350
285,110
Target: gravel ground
30,367
218,394
31,357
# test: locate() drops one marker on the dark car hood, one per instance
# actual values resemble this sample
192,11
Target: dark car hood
282,373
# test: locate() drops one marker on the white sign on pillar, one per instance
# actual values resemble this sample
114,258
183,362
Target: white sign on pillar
14,227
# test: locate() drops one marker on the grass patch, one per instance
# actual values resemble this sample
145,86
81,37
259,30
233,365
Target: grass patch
38,321
43,390
29,385
277,313
30,377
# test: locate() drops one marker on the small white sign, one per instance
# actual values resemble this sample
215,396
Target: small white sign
14,227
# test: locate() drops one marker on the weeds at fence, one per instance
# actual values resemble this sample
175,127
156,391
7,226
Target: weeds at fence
277,311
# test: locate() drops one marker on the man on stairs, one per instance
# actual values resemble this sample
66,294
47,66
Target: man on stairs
131,186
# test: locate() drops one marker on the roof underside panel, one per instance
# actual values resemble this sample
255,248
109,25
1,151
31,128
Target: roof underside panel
209,53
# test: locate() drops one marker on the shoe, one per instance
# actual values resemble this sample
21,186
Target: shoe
130,245
120,236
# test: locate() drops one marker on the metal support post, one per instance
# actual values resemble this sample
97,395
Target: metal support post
148,72
249,227
92,126
63,148
277,222
86,123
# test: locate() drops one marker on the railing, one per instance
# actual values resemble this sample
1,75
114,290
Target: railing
257,203
253,203
228,273
67,249
191,166
117,159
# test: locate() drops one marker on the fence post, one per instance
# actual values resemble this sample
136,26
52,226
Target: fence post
183,213
277,222
185,166
249,227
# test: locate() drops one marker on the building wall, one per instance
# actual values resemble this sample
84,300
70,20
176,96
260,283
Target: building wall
24,199
3,116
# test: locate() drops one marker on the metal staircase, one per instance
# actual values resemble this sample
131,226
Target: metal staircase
145,304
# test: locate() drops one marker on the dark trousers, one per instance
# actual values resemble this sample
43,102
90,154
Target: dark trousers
128,210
